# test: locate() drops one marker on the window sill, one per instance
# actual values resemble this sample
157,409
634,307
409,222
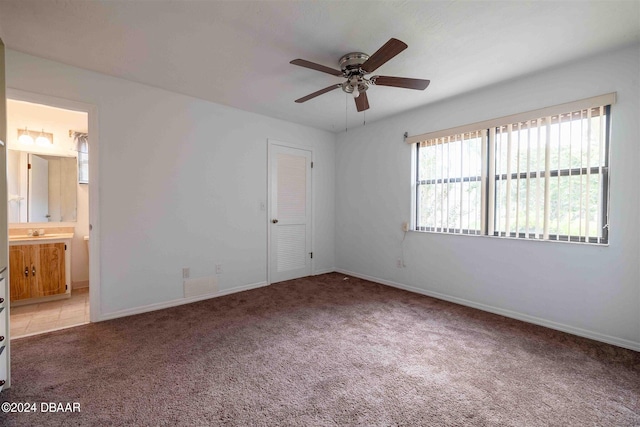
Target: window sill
520,239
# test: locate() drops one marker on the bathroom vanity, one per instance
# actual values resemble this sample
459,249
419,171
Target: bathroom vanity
40,267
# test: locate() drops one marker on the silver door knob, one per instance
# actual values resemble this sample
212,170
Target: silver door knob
275,221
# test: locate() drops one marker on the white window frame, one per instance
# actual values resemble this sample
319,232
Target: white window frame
489,176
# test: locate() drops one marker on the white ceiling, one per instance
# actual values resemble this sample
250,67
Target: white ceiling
237,53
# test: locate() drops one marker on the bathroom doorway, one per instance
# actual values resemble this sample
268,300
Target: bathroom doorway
49,216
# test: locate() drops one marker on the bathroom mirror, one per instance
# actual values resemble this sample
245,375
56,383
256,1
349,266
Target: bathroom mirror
42,188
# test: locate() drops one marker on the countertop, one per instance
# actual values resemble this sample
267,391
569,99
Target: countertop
46,237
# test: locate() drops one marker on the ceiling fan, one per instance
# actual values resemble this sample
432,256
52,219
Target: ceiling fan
355,66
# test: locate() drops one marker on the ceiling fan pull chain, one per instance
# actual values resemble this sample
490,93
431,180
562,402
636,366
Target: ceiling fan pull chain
346,107
364,120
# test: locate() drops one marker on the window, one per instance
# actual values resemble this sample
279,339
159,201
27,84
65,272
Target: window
448,185
82,145
532,176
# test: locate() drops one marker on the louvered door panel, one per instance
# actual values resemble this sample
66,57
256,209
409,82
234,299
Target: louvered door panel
292,252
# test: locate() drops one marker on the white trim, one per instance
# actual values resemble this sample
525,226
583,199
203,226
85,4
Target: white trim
94,188
178,302
596,101
620,342
4,276
323,271
51,101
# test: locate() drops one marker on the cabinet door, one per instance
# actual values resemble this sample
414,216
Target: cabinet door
49,276
19,259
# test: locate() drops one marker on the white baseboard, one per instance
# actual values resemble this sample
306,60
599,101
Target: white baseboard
177,302
324,271
620,342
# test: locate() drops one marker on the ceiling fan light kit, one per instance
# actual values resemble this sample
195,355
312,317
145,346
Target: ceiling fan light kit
355,67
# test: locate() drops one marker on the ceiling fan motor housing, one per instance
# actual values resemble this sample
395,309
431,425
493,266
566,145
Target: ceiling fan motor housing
352,61
350,65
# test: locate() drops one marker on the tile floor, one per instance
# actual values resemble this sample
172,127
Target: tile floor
46,316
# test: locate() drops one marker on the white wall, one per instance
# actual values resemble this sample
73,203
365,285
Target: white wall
181,181
588,290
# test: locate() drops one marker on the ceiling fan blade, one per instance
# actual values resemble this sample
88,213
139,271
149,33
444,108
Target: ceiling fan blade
404,82
362,102
382,55
317,67
318,93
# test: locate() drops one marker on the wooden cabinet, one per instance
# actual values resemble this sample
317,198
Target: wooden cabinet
37,270
19,263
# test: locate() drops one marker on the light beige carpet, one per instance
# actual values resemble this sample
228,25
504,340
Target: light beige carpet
325,350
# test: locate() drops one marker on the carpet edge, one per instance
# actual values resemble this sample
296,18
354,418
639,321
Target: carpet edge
608,339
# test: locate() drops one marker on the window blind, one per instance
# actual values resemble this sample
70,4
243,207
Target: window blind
449,183
550,174
542,174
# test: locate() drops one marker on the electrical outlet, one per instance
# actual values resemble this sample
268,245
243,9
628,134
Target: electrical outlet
399,263
405,226
185,273
218,268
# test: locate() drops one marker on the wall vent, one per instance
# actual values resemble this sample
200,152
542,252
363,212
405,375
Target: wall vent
200,286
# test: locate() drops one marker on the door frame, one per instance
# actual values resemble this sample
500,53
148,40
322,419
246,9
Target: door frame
95,311
270,146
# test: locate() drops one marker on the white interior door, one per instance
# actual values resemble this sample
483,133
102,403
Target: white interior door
290,209
38,189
